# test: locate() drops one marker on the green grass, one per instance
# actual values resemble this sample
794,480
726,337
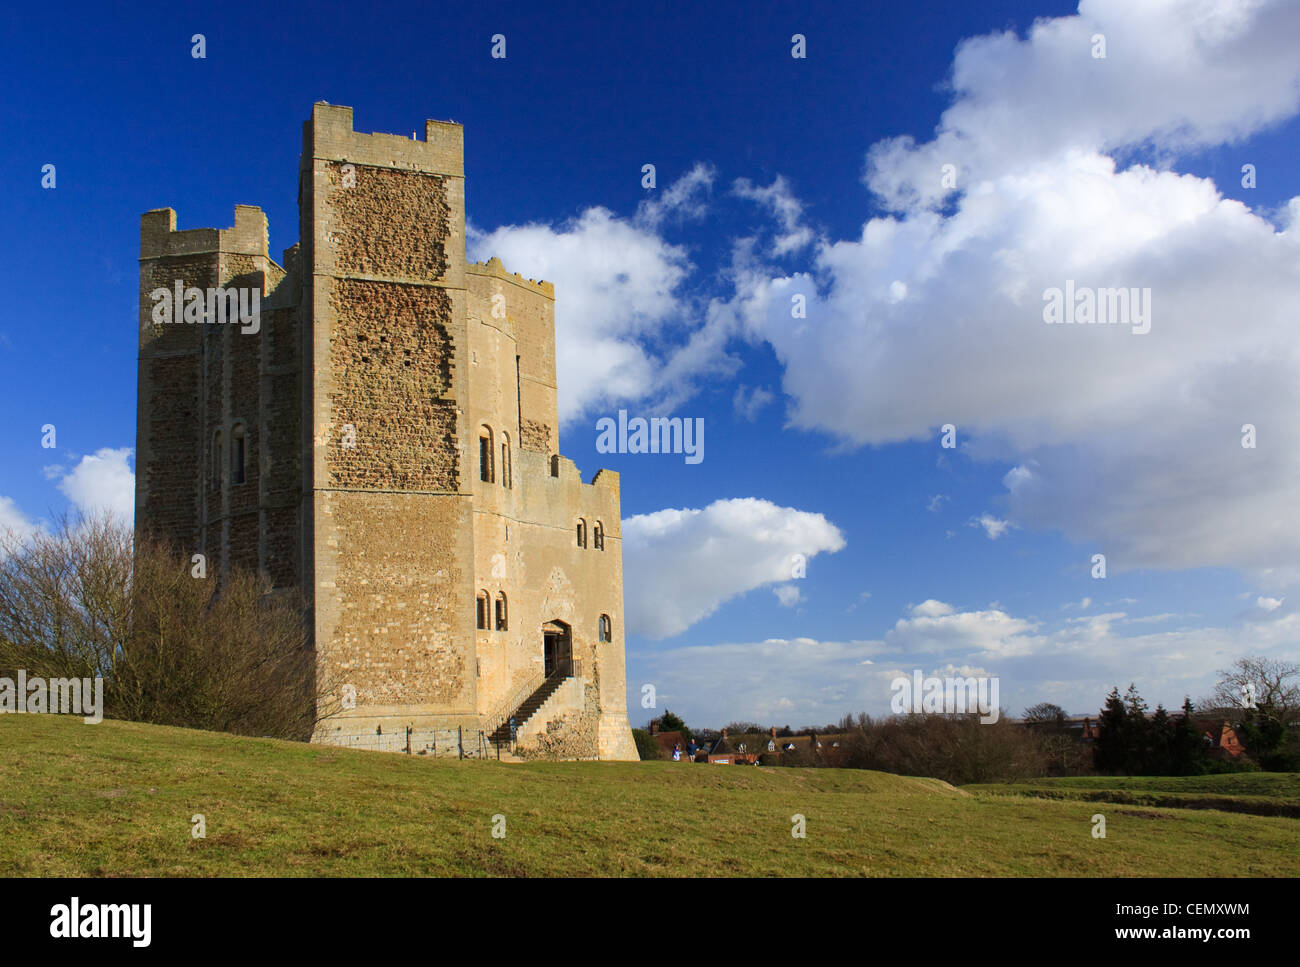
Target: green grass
117,800
1256,793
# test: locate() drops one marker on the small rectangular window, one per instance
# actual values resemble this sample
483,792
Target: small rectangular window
484,459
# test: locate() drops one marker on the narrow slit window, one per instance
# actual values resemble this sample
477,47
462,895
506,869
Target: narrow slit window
485,455
237,455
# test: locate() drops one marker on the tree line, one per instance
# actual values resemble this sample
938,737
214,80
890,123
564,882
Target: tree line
1258,698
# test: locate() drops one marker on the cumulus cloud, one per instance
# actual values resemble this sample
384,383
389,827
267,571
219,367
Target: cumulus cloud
680,566
1180,74
14,524
937,627
1129,442
619,287
102,482
930,608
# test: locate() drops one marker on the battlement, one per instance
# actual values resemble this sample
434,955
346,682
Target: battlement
160,239
330,136
570,475
494,269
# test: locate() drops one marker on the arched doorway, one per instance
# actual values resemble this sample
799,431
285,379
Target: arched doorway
557,648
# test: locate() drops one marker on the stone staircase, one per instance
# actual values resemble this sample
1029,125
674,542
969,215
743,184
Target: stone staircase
527,709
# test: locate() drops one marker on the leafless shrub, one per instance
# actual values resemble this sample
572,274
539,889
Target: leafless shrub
80,601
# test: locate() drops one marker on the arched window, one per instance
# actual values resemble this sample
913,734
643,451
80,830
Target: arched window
485,455
238,456
598,536
482,609
501,611
555,465
606,628
582,532
217,458
505,460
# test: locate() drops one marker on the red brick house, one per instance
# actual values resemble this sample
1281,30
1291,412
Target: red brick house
670,740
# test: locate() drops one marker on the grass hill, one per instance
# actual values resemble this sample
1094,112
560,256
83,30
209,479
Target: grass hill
117,799
1258,793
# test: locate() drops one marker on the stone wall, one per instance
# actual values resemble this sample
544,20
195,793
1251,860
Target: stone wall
198,382
390,520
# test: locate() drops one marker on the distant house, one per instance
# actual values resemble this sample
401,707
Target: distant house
822,750
1220,738
727,753
669,740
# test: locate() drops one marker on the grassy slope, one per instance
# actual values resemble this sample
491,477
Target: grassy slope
116,799
1257,793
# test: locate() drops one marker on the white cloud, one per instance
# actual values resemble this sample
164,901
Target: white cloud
1181,74
684,199
1268,604
930,608
788,594
618,287
778,199
935,627
993,526
681,565
1128,442
748,402
102,482
14,524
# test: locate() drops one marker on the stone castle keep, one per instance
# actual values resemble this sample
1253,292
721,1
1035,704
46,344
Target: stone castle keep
387,442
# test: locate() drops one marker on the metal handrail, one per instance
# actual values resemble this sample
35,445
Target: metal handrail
504,710
567,668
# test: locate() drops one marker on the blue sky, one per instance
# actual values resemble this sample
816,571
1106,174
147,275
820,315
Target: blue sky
776,176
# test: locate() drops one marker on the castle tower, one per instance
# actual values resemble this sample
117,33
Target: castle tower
388,444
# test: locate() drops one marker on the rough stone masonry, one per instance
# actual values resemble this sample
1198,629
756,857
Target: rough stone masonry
386,441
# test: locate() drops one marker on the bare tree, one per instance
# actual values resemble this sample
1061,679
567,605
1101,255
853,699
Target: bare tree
1261,682
172,648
